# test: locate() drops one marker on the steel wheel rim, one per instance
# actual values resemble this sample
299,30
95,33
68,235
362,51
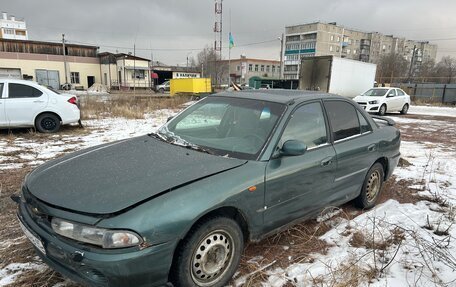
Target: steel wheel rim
373,186
212,258
48,124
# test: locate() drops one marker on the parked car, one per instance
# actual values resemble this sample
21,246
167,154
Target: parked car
384,100
28,104
178,205
163,87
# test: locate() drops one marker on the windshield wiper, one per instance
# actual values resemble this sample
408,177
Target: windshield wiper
158,136
179,142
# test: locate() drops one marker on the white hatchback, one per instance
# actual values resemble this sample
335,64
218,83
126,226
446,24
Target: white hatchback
384,100
28,104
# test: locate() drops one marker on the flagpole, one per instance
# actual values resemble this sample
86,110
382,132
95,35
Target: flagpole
229,54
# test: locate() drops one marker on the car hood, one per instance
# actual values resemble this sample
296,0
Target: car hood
110,178
366,98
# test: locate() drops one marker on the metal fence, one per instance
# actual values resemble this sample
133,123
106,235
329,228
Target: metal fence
441,93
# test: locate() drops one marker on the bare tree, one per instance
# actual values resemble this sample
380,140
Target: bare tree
426,71
446,69
391,66
209,61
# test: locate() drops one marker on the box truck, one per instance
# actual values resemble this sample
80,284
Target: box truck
336,75
190,86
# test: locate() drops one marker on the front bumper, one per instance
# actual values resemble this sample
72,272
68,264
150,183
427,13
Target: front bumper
91,267
370,108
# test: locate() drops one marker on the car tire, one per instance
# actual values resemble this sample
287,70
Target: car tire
372,187
404,110
47,123
161,91
209,255
382,110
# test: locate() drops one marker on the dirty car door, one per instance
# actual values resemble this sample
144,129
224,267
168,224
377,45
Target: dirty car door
298,185
356,148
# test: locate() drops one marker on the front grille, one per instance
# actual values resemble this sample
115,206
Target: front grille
362,103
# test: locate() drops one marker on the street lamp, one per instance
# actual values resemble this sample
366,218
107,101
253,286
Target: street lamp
281,53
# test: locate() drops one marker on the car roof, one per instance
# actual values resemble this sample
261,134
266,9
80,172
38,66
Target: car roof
280,95
383,88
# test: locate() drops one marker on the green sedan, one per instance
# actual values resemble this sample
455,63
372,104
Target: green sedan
177,206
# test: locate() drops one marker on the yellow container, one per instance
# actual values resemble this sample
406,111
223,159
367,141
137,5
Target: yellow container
190,86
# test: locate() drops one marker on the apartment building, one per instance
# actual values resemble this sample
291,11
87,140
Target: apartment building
242,69
320,39
12,28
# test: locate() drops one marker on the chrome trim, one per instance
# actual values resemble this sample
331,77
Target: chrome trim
351,174
318,146
352,137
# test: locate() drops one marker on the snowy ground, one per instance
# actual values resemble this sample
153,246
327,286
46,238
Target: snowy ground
395,244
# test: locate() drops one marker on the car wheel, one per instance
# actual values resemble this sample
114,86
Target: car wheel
47,123
371,187
382,110
209,255
405,109
161,90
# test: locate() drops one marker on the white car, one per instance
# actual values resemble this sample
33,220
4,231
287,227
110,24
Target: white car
384,100
28,104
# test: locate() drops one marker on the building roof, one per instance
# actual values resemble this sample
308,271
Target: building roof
279,95
47,43
251,59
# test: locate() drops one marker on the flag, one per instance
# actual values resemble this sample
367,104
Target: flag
231,41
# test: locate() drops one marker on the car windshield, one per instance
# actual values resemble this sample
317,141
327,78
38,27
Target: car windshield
375,92
225,126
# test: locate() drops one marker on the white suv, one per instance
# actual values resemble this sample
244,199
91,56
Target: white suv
384,100
27,104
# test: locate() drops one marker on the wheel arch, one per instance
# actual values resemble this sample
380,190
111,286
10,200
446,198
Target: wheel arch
384,162
46,112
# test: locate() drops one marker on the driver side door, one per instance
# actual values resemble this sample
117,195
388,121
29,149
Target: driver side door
297,186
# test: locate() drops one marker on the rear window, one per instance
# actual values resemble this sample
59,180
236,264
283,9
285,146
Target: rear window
344,119
23,91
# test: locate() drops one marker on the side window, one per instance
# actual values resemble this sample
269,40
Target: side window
344,119
23,91
307,124
400,92
365,126
391,93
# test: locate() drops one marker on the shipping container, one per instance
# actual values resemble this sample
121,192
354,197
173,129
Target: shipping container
190,86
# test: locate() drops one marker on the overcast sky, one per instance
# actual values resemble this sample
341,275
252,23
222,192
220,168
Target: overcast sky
174,29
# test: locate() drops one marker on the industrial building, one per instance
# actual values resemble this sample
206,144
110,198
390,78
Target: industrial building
242,69
321,39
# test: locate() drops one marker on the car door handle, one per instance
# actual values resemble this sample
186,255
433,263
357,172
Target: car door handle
38,101
327,161
371,148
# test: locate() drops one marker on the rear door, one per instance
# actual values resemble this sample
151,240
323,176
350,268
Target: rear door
23,103
355,145
299,185
2,107
401,98
393,101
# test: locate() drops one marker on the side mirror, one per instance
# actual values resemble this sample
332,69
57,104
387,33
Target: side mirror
169,118
293,148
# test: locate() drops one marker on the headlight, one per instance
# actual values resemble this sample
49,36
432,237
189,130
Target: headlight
105,238
373,102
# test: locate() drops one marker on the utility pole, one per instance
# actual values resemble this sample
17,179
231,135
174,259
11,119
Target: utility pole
281,56
411,63
134,68
218,34
64,59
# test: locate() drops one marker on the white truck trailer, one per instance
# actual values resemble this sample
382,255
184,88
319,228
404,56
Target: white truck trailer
336,75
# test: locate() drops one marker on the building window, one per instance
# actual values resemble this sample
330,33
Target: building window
337,48
256,68
273,69
137,74
338,39
238,68
9,31
354,51
348,51
74,77
250,67
330,48
267,68
332,37
262,68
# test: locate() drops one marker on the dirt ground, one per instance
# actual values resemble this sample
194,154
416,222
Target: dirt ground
296,244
